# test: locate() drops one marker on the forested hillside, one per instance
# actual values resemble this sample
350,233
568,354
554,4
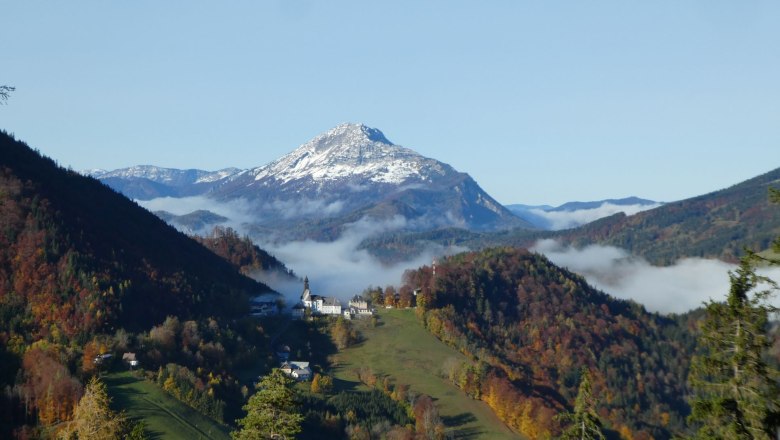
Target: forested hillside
531,326
82,270
716,225
243,254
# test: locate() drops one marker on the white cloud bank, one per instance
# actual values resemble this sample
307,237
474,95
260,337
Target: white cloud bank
557,220
339,268
672,289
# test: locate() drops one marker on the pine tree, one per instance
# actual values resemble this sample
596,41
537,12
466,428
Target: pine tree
736,394
271,411
93,419
585,423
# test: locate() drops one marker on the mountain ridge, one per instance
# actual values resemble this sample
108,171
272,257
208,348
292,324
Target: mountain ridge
347,169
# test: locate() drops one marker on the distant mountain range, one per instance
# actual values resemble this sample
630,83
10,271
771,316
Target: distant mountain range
346,174
352,173
719,225
574,214
146,182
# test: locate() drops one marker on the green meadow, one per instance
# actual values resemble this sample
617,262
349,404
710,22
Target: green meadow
165,417
401,348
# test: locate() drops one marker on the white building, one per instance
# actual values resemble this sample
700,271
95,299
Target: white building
297,370
322,305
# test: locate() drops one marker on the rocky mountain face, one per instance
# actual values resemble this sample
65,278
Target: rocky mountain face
346,174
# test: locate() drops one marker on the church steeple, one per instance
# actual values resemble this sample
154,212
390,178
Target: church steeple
306,295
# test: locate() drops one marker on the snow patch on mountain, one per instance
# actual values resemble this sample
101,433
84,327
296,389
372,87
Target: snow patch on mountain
351,152
163,175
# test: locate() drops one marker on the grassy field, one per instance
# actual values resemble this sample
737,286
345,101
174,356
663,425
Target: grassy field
165,417
401,348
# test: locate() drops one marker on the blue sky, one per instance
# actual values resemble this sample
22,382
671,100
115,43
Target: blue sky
541,102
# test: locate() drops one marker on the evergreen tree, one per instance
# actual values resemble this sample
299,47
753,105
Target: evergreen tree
271,411
736,394
585,423
93,419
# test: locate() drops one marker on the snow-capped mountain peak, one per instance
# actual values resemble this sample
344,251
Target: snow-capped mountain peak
351,152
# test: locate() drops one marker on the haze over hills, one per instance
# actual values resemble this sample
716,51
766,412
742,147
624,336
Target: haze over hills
345,174
574,214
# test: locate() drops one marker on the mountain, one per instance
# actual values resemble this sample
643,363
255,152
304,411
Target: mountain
720,224
531,326
353,167
98,258
87,275
715,225
346,174
573,214
146,182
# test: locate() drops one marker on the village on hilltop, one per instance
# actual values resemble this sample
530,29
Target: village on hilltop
329,305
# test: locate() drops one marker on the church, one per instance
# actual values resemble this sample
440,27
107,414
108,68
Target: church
319,305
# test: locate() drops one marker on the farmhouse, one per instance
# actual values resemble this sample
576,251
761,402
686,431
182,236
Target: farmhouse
358,306
129,359
298,370
263,308
358,302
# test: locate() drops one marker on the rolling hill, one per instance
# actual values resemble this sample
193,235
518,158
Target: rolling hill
531,326
715,225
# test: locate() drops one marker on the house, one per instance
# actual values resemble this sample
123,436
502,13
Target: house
319,305
129,359
298,370
358,302
330,306
102,358
298,311
263,308
358,306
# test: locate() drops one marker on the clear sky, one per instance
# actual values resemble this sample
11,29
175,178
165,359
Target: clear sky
541,102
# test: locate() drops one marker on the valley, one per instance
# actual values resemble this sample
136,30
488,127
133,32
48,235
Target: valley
472,335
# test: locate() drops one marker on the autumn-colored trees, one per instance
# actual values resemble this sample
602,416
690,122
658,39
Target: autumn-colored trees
50,391
83,270
343,333
534,325
93,418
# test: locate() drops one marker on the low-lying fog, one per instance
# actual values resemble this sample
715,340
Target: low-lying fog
340,269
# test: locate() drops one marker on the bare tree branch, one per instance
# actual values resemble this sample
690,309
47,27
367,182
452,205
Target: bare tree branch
5,93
